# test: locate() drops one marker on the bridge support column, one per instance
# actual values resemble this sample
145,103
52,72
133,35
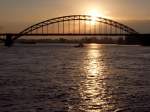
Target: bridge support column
8,40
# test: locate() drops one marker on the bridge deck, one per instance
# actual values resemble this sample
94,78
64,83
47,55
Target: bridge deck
69,34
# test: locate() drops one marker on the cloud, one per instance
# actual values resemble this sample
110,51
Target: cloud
142,26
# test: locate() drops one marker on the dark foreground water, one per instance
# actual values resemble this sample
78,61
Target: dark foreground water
61,78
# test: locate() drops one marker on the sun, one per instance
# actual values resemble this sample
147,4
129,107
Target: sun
94,15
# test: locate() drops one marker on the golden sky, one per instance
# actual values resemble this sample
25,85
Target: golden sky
16,14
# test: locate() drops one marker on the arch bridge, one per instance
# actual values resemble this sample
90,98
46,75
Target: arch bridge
73,25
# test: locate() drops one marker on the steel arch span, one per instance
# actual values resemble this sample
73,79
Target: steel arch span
77,25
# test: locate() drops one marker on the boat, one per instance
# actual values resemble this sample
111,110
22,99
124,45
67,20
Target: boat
79,45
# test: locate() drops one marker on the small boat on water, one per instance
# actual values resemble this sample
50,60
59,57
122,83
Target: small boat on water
79,45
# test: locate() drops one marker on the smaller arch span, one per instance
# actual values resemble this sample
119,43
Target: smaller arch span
72,20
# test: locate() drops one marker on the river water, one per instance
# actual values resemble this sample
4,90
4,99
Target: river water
62,78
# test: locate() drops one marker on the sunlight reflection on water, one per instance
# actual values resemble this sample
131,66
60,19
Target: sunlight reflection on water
93,89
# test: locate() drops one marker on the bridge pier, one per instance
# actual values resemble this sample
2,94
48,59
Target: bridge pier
8,40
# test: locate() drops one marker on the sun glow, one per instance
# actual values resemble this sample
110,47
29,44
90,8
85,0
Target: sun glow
94,15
